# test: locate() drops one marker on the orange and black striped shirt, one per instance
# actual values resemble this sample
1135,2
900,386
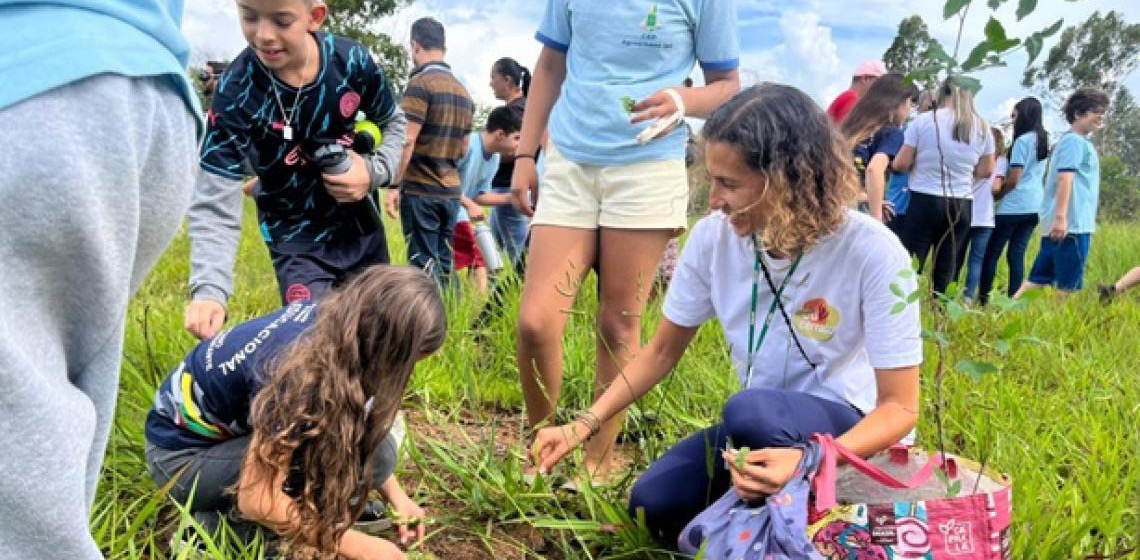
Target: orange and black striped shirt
441,105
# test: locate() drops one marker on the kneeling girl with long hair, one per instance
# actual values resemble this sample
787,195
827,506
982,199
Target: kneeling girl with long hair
294,409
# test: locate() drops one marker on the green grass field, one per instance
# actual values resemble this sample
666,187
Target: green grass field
1061,415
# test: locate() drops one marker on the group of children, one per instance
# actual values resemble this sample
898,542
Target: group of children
286,420
960,195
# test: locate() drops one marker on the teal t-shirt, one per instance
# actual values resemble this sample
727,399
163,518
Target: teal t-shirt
1026,197
44,46
1074,154
476,170
629,48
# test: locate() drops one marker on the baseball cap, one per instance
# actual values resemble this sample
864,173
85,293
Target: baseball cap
874,68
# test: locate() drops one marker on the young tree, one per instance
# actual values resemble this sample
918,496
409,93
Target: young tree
354,19
912,49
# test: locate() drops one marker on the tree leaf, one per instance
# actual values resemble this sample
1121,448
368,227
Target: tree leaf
955,489
995,33
1025,7
977,56
913,297
1003,347
952,8
940,473
897,290
975,369
898,308
1052,29
1011,329
970,84
937,53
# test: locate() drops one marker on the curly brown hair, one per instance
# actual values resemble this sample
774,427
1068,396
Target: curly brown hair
783,135
332,396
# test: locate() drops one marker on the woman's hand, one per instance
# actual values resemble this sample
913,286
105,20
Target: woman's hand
552,444
763,472
524,182
409,519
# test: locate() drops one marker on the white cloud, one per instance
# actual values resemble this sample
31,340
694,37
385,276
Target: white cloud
820,41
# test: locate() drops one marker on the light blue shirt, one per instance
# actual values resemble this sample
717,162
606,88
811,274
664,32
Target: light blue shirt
629,48
1074,154
45,46
476,170
1026,197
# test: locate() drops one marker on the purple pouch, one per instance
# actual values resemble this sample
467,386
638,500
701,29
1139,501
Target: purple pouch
731,529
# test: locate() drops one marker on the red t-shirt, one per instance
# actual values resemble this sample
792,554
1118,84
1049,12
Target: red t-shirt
842,105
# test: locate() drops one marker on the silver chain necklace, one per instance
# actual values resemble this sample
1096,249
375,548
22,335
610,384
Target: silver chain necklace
287,132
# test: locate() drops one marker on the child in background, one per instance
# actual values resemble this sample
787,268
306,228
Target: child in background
476,170
1072,192
973,251
290,96
898,192
874,128
1019,198
607,200
270,406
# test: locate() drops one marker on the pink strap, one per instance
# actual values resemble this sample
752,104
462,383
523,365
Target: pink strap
824,482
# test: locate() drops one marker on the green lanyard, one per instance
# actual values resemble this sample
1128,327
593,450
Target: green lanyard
753,343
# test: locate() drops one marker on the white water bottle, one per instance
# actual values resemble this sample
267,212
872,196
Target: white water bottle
485,240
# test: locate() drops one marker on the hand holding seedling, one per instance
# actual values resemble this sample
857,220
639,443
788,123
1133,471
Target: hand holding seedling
409,519
552,444
757,474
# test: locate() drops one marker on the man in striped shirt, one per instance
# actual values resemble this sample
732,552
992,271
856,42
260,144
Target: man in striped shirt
440,113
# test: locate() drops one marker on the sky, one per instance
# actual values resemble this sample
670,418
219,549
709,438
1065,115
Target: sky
811,44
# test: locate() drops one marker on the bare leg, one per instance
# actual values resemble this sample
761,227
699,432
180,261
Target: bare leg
628,265
559,258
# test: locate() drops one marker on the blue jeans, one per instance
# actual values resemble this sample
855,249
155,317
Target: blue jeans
1015,230
680,484
509,228
971,255
428,222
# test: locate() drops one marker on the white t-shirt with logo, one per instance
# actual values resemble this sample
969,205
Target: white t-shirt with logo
957,159
846,301
983,210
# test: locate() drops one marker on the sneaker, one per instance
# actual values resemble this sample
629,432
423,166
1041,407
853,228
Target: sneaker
1107,292
374,518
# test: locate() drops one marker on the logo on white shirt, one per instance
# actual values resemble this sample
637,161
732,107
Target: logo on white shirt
817,320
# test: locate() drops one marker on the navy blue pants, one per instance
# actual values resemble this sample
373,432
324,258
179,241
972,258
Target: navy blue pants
428,223
1016,230
679,485
307,271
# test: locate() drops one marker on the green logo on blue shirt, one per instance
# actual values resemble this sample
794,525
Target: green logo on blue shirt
650,24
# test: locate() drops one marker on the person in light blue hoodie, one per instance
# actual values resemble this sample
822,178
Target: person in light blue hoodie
1019,199
100,126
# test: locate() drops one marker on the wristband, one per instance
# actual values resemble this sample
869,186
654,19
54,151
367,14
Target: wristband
532,157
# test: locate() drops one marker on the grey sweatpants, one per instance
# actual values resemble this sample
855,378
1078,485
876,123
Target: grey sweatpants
94,179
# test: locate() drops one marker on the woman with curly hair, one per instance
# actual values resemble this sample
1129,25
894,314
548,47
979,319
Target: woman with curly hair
805,288
288,416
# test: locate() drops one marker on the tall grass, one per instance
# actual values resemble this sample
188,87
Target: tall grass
1060,415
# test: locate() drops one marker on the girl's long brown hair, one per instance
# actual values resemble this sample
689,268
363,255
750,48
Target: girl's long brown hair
312,415
877,107
783,135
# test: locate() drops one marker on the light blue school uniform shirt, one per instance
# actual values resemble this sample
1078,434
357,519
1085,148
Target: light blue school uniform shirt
476,170
1074,153
1027,196
45,46
629,48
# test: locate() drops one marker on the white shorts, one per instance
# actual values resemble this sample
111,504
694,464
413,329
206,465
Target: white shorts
642,195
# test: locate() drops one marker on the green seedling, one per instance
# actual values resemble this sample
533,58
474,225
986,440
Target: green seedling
628,103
